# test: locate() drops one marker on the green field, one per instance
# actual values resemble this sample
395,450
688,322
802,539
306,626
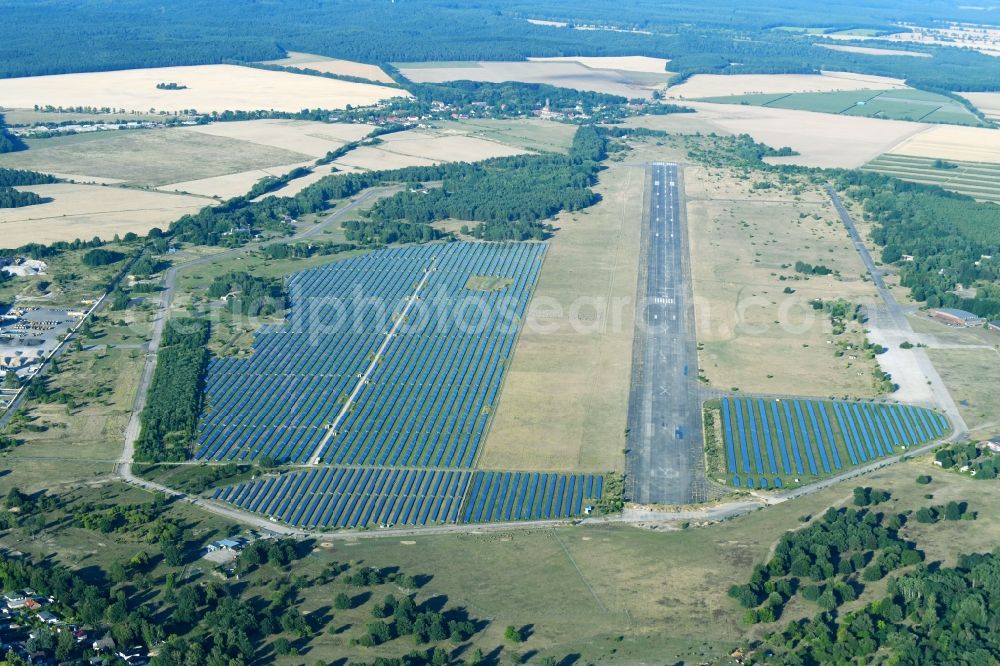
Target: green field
976,179
904,104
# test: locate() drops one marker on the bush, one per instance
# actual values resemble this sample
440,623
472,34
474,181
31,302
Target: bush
923,479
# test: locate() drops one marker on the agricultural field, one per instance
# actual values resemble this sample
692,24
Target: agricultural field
301,137
282,400
208,88
976,179
801,440
86,211
987,102
149,158
333,66
897,104
718,85
566,74
822,140
424,147
356,497
962,144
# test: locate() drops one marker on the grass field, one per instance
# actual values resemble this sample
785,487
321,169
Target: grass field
563,406
897,104
528,133
753,334
208,88
976,179
972,376
149,158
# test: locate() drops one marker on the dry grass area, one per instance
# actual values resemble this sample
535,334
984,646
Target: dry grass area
333,66
306,137
720,85
565,74
822,139
869,50
527,133
564,402
972,377
85,211
153,157
752,334
209,88
619,63
968,144
423,147
987,102
229,185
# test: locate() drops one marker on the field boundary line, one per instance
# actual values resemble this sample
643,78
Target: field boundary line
332,428
576,566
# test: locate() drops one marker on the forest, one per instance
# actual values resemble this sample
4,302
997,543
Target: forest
952,238
173,403
724,37
250,295
11,198
8,142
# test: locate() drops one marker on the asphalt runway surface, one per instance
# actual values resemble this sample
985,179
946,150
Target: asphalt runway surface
664,464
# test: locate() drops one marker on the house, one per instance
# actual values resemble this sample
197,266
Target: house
105,644
994,325
48,618
954,317
993,444
14,600
907,257
79,635
32,604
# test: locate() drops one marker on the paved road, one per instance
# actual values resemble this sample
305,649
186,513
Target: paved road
889,314
124,466
664,463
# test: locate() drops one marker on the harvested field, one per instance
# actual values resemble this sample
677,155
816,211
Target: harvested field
868,50
153,157
823,140
987,102
563,74
333,66
968,144
304,137
619,63
424,147
209,88
85,211
230,185
718,85
976,179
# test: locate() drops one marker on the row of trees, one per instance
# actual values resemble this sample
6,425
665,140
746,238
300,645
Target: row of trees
173,403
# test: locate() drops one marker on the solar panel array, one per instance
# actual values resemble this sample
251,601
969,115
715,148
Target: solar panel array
343,497
768,438
431,378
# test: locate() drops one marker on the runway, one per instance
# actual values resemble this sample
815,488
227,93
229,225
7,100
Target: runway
665,461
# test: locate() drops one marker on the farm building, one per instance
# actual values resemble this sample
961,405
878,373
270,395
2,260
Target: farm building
233,545
954,317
